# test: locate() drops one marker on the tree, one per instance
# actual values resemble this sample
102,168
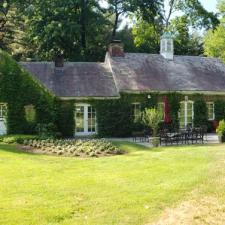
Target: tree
117,8
196,14
146,37
72,28
185,42
4,10
214,41
127,38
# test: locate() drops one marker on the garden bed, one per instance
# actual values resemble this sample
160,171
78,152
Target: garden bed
73,148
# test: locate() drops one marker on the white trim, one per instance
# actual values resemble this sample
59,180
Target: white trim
88,98
174,91
211,119
186,111
85,120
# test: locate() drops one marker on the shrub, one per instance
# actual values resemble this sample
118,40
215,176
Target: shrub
221,130
16,139
47,130
151,118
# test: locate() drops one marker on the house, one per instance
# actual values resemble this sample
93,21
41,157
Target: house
174,84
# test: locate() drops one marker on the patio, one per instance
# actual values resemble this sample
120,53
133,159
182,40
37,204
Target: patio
210,138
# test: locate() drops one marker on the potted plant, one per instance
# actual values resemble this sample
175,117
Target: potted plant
151,118
221,131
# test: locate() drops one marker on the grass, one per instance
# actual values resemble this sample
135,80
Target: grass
131,189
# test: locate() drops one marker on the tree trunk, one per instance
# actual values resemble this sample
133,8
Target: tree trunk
115,26
83,23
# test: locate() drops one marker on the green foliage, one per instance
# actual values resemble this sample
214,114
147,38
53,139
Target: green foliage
200,112
114,117
16,139
18,89
65,118
215,43
48,130
219,110
151,118
174,104
221,130
78,29
185,42
215,39
146,37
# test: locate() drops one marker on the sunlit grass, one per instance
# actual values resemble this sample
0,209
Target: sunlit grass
134,188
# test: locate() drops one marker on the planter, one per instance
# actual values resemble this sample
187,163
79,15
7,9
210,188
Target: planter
155,141
221,138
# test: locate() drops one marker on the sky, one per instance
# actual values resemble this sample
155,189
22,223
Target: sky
210,5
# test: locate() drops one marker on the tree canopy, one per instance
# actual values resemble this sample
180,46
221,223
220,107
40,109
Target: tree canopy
82,29
215,39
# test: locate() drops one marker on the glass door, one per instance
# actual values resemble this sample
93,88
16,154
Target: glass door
186,114
3,115
85,119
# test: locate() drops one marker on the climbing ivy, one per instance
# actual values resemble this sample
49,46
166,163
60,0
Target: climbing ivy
200,112
219,110
18,89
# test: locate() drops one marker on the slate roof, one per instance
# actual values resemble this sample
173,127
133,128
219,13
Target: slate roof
136,72
75,79
148,72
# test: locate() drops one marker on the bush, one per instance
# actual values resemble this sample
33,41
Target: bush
78,148
151,118
16,139
47,131
221,130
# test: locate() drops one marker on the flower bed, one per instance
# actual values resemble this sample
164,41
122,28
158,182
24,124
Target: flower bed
77,148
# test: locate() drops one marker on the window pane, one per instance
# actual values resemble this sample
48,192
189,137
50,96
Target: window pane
136,111
210,106
91,119
80,118
160,109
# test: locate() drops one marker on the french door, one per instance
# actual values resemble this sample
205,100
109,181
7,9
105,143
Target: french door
3,121
85,119
186,114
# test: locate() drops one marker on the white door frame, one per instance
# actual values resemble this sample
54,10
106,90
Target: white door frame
86,132
3,119
186,112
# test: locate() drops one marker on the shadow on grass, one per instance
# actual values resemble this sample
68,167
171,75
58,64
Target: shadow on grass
13,148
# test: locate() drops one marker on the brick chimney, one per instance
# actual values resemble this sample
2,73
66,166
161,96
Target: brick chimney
116,49
59,61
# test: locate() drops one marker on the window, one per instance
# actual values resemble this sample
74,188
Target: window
169,45
161,110
30,113
210,107
136,111
186,114
3,111
85,119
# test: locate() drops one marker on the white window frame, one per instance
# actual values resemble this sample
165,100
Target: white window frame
86,132
186,112
136,105
208,103
163,104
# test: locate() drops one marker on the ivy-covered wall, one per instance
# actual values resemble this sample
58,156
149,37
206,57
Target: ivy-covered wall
18,89
114,116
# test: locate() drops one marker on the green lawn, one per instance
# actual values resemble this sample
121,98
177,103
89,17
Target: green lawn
131,189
